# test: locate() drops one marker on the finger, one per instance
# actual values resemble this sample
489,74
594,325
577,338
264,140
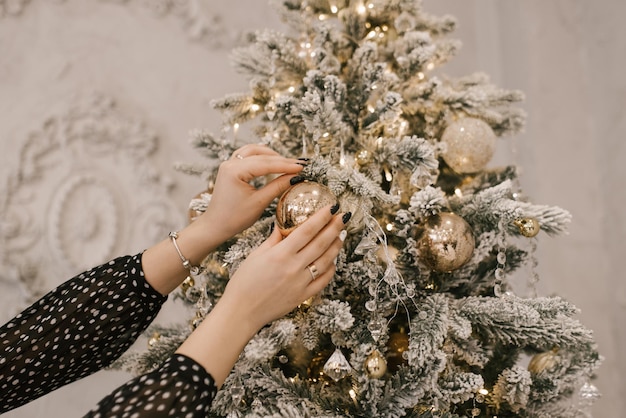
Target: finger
254,149
322,241
306,232
262,165
273,189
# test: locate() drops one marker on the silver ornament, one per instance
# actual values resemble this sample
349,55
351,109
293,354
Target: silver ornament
337,366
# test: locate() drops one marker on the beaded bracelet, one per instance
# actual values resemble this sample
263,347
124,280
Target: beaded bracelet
186,263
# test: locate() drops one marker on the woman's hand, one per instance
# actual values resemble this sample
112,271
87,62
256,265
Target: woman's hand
235,204
275,278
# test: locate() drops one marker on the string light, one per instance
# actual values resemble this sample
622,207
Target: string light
322,17
483,391
430,66
333,8
360,9
254,107
420,75
291,89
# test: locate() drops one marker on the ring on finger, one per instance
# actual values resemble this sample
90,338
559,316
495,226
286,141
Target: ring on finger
239,156
313,270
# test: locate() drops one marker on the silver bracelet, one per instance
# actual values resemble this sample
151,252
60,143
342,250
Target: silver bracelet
186,262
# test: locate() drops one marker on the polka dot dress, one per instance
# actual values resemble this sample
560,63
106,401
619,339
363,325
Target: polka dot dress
83,326
180,388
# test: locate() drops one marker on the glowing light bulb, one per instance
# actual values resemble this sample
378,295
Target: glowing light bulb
420,75
334,8
254,107
430,66
389,227
322,17
483,391
291,89
360,9
459,193
352,393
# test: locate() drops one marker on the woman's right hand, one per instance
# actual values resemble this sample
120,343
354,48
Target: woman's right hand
272,281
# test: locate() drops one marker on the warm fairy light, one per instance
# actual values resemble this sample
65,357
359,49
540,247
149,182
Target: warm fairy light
371,34
389,227
458,192
430,66
342,161
334,8
235,127
374,87
385,28
322,17
360,9
370,5
483,391
370,108
368,25
291,89
403,126
352,393
420,75
254,107
325,135
312,54
381,35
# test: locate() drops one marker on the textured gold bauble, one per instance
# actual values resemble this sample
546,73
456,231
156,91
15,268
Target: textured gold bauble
375,365
528,227
299,203
470,144
445,242
363,157
543,362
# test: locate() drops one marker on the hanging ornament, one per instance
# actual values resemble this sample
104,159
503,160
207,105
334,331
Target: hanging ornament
397,345
299,203
528,227
470,144
445,241
375,365
337,366
154,339
362,157
588,395
543,361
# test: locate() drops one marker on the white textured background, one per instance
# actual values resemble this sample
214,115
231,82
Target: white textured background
140,70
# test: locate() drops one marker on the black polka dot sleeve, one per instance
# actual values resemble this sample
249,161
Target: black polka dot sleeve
75,330
180,388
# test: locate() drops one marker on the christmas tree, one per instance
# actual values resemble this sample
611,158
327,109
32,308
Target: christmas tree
421,318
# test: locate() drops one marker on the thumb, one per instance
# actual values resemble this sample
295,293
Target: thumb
274,188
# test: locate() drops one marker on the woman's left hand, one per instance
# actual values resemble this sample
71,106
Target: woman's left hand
235,204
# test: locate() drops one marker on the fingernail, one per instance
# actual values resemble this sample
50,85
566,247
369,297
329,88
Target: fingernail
334,208
335,261
346,217
296,180
343,234
304,159
302,163
272,227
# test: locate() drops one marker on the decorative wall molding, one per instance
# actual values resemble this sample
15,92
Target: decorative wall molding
84,190
201,24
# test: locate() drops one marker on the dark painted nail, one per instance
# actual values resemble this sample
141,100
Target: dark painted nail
272,227
304,159
296,180
302,163
334,208
346,217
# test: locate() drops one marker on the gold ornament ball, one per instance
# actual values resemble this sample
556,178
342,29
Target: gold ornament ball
299,203
375,365
543,362
528,227
445,242
470,144
363,157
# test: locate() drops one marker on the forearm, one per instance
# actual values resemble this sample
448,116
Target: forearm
218,341
161,263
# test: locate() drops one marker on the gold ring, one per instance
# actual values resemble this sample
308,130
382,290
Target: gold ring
239,156
313,270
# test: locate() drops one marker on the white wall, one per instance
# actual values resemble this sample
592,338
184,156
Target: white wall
161,72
